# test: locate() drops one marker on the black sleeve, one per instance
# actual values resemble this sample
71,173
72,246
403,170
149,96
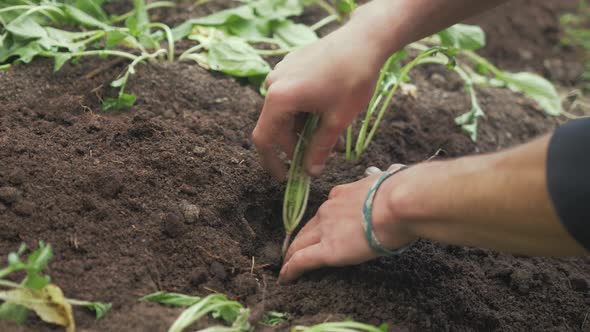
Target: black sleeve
568,178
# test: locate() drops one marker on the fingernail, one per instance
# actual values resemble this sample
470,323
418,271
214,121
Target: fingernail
316,170
281,280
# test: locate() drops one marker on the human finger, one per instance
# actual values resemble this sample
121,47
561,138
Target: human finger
322,141
306,259
303,240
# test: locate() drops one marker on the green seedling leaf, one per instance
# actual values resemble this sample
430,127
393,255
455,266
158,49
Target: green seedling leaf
99,308
216,304
277,9
229,17
60,59
26,27
236,57
463,37
84,19
125,100
113,38
274,318
5,67
92,7
294,34
173,299
348,326
537,88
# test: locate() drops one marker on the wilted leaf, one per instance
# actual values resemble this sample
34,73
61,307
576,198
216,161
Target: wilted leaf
48,303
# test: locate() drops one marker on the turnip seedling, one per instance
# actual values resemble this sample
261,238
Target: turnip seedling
298,183
349,326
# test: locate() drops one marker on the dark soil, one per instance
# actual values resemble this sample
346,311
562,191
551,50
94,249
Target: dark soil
169,195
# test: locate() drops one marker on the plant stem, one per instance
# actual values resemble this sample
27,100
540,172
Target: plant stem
169,37
323,22
107,53
191,50
280,51
327,7
9,284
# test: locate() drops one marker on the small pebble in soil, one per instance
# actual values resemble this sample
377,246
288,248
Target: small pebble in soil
9,195
172,225
190,212
188,189
198,276
199,151
218,271
24,208
579,284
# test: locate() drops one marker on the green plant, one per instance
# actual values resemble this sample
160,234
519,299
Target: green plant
576,33
347,326
217,305
69,30
232,312
36,293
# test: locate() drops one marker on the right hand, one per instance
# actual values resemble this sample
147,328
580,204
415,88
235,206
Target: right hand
333,77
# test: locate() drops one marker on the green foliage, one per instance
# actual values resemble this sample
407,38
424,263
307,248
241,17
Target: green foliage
274,318
172,299
463,37
231,312
347,326
576,28
35,292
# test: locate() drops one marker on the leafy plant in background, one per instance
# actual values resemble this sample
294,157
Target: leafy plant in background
454,48
69,30
36,292
238,317
577,33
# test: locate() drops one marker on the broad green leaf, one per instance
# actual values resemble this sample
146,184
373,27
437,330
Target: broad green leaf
174,299
124,100
141,13
250,29
463,37
26,27
274,318
48,303
92,7
294,34
113,38
84,19
221,18
217,304
537,88
277,9
236,57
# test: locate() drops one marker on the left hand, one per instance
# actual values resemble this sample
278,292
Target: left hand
335,235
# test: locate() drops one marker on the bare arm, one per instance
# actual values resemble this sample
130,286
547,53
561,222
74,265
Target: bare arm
335,76
498,201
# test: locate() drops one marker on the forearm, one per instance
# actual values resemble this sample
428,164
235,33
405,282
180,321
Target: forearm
389,25
499,201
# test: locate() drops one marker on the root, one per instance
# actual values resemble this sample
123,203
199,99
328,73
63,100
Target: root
286,245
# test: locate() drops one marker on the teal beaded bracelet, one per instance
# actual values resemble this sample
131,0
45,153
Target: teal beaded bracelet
367,224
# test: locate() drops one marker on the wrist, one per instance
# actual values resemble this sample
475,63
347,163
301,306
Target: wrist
375,25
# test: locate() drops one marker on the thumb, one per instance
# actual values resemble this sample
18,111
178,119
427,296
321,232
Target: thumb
322,141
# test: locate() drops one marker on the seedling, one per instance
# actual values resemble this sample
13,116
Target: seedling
36,292
348,326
